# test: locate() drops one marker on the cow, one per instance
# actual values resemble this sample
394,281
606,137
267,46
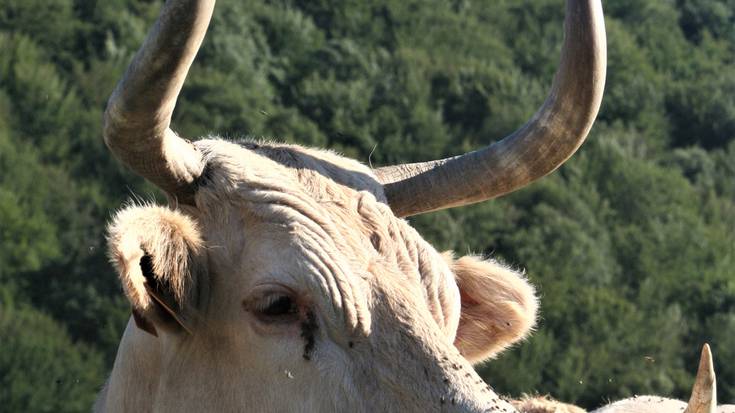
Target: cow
281,278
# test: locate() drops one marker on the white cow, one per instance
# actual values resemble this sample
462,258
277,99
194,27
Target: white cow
283,279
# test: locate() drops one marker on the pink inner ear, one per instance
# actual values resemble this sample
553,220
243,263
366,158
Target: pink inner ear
466,299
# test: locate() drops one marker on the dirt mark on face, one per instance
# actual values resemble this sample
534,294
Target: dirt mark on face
308,329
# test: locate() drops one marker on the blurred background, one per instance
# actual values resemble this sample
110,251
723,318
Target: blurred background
631,244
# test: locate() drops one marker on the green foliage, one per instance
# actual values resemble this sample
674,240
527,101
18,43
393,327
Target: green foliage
41,369
21,207
630,244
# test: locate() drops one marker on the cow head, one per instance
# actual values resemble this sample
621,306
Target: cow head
285,279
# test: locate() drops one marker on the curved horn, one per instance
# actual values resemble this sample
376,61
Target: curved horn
533,151
138,114
704,391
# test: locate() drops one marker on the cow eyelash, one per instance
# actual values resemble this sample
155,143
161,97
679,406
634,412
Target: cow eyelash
276,307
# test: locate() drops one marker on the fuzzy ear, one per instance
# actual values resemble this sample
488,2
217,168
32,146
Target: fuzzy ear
157,254
498,307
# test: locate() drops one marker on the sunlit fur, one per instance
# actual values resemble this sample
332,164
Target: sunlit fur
654,404
498,307
638,404
386,303
396,324
170,239
540,404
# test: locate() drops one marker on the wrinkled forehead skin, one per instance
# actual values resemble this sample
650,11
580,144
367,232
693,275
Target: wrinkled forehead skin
344,244
319,223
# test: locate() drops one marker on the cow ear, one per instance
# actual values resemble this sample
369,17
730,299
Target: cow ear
157,254
498,307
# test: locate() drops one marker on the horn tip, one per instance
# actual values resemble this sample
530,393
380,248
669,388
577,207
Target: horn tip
704,391
706,365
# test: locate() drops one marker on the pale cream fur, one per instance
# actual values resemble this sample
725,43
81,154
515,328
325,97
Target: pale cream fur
395,323
173,243
387,304
637,404
498,307
544,404
654,404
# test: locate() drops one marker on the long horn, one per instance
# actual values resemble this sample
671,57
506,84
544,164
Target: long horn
533,151
138,114
704,391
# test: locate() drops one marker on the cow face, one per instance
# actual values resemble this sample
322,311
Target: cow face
291,285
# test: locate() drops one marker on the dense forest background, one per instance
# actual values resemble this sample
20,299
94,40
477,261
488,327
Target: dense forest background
631,243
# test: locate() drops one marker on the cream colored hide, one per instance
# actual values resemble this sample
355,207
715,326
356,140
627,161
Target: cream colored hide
292,287
655,404
544,405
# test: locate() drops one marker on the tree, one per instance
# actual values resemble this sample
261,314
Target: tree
41,369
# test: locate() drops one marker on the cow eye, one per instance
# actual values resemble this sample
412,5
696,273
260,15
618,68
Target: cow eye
276,307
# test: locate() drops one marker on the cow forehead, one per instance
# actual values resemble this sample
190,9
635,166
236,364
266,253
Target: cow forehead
318,172
312,191
302,189
340,226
